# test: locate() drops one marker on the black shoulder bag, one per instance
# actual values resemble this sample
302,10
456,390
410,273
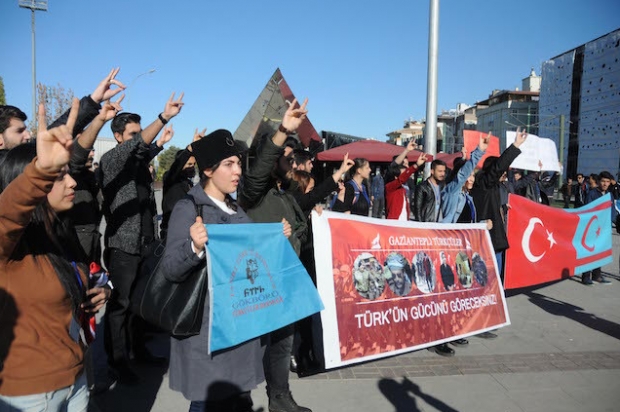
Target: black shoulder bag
174,307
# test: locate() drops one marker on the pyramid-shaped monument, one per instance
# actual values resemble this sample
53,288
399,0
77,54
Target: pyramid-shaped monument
266,114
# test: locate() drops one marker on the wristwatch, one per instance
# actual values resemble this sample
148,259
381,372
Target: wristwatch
284,130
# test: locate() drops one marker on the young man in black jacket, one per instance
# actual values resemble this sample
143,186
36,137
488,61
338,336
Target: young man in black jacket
129,209
427,205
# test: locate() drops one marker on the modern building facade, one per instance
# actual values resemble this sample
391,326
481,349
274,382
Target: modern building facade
580,105
506,110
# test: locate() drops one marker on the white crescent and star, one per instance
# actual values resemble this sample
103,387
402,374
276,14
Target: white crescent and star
525,241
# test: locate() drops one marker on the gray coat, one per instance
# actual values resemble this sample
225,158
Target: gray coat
192,370
121,167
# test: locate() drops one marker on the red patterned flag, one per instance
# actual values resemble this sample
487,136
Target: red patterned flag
392,287
548,244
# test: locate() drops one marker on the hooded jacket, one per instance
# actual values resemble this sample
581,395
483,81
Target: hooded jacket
487,198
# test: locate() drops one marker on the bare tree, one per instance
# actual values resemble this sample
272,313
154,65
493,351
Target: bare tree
56,99
2,95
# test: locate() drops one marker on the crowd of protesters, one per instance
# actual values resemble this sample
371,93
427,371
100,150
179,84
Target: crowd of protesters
53,198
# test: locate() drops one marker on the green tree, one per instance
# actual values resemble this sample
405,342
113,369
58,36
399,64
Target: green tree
165,159
2,95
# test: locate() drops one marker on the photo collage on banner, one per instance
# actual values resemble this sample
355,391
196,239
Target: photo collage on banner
392,287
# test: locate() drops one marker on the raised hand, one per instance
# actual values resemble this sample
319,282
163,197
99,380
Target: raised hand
104,91
520,137
173,107
110,109
54,145
287,230
293,117
483,145
346,164
411,145
198,136
165,136
421,160
198,234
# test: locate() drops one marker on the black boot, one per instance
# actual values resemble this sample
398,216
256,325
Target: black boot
293,365
443,350
284,402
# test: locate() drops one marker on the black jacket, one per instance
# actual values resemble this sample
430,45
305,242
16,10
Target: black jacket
487,199
263,202
176,186
85,214
424,203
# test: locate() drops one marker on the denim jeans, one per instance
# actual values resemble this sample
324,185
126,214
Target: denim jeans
499,257
73,398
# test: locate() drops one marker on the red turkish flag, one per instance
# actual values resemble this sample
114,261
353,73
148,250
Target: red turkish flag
548,244
472,139
541,248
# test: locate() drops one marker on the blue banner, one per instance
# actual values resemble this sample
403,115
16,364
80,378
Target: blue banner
256,283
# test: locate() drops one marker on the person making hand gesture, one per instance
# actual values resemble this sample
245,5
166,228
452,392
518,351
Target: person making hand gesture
130,212
45,295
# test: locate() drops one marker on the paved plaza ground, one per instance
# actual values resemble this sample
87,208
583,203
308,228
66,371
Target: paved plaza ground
561,353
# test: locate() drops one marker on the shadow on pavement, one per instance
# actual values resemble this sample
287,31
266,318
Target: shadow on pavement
139,397
403,396
565,274
611,275
561,308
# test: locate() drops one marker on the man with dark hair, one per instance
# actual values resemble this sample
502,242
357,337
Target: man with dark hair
302,160
290,145
13,131
129,122
599,186
129,209
526,185
377,193
427,205
567,190
427,208
581,191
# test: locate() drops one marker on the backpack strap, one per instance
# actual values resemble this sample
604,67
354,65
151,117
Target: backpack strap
356,191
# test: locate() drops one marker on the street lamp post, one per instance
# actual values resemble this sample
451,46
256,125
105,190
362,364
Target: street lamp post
430,143
34,5
133,81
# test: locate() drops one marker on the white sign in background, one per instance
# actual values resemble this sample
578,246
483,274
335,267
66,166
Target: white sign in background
533,150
